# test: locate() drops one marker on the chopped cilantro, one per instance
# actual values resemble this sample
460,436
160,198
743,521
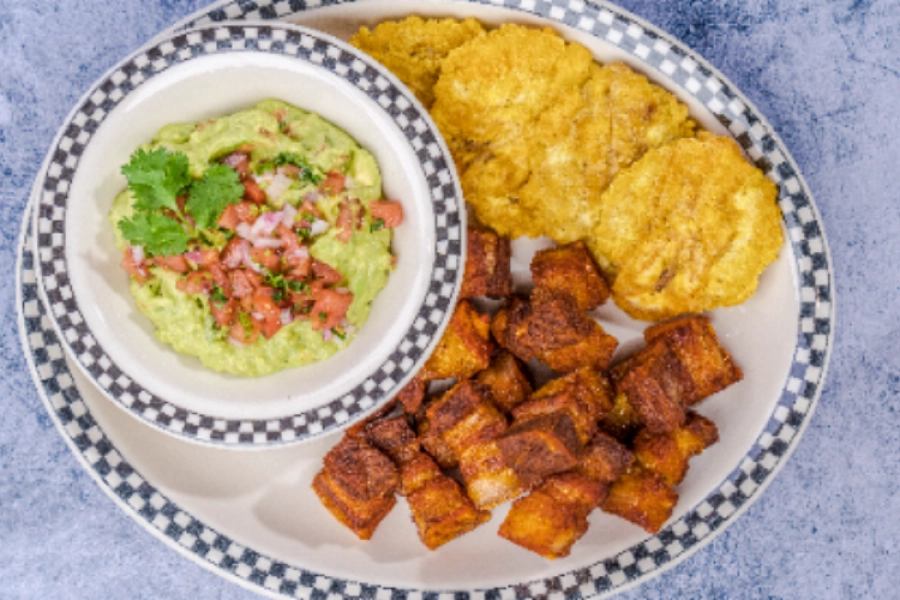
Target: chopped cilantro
297,286
323,316
218,296
156,233
376,225
158,178
340,334
209,196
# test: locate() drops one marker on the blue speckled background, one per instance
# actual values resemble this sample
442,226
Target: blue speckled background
826,73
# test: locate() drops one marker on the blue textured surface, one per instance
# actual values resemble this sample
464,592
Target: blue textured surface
825,73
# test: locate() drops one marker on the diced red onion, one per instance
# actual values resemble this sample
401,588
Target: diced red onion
265,242
257,316
342,290
301,252
348,181
319,227
137,254
326,335
280,184
235,343
286,317
234,159
245,254
287,215
244,230
194,256
312,195
265,225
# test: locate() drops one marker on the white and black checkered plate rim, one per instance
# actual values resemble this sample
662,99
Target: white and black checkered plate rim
746,482
321,51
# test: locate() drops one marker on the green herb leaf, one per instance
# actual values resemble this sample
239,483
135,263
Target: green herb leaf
209,196
376,225
308,174
156,233
157,178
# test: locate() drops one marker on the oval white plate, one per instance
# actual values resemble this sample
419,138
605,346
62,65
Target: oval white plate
251,516
211,71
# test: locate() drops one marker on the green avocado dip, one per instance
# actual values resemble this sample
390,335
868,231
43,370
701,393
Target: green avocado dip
255,241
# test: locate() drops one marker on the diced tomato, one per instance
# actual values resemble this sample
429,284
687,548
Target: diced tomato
229,219
265,310
241,334
177,263
334,183
223,312
138,271
267,258
239,161
344,222
234,252
329,309
241,284
253,193
209,256
389,211
196,282
298,264
325,272
288,238
220,276
254,278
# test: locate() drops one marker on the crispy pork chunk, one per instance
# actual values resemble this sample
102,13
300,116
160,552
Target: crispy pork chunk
508,381
571,269
585,395
487,265
668,453
460,429
553,517
440,508
643,497
357,484
394,437
681,364
464,349
551,327
646,494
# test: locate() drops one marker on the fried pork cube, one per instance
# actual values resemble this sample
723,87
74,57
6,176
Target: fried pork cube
668,453
543,524
585,395
357,484
694,341
439,506
488,480
487,265
550,327
464,349
462,418
622,422
541,445
571,269
507,380
643,497
394,437
553,517
412,395
655,383
682,364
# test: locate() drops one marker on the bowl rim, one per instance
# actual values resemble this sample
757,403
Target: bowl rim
321,51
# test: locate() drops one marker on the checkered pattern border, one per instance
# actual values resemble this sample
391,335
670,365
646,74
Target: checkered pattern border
607,576
322,52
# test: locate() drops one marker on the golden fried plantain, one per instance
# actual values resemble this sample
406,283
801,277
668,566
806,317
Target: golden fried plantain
413,49
687,228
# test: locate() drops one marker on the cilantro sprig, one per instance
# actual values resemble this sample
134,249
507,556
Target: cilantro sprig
160,223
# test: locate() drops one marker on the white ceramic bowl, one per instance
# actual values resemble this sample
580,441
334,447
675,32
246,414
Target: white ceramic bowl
213,71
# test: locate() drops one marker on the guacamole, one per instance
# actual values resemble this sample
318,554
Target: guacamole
255,241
